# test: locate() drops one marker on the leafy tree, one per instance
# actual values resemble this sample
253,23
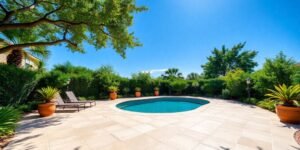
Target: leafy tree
225,59
193,76
235,81
42,23
279,70
172,73
296,76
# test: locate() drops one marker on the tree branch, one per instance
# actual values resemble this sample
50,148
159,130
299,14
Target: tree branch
35,44
3,8
10,14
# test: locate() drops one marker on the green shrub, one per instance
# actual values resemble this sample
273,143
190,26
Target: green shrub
8,120
279,70
178,85
252,100
142,80
267,104
16,84
226,94
212,87
28,107
138,89
125,91
113,89
235,82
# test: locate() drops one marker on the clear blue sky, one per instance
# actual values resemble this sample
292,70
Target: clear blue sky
182,33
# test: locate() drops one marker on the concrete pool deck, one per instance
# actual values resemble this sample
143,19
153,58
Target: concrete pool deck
221,124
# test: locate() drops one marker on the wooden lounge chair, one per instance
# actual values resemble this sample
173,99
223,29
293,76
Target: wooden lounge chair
297,136
63,105
73,99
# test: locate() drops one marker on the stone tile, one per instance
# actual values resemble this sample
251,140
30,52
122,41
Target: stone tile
204,147
219,143
99,141
140,143
160,146
182,142
219,125
143,128
254,143
126,134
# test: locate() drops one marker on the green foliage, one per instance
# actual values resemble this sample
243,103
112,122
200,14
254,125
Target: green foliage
8,120
225,59
193,76
279,70
289,96
172,74
226,94
98,23
212,87
16,84
178,85
53,78
235,81
252,101
48,94
142,80
103,78
113,89
138,89
267,104
126,90
296,76
28,107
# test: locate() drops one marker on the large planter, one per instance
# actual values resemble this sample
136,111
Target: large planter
156,93
288,114
113,95
46,109
138,94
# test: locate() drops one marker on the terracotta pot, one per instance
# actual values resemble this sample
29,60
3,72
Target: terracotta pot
113,95
46,109
288,114
156,93
138,94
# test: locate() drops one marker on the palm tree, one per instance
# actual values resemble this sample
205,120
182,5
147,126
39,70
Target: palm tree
193,76
10,38
172,73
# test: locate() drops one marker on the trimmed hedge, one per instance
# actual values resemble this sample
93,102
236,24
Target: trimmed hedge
16,84
212,87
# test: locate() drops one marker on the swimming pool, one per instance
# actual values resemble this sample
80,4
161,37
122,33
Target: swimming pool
162,105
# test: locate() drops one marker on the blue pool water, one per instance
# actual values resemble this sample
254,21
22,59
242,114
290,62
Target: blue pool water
162,105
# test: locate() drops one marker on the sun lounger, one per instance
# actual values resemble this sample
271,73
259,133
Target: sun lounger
73,99
62,104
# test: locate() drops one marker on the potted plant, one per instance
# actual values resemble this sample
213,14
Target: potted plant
156,91
287,109
48,95
113,92
138,92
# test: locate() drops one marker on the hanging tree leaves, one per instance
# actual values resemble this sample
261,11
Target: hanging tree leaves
73,22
